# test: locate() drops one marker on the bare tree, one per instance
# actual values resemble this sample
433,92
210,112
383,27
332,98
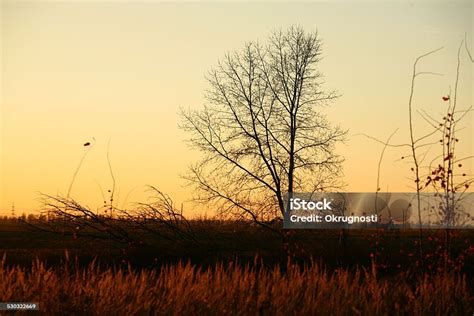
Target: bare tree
262,135
158,218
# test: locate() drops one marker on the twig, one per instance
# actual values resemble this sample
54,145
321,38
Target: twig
79,167
113,180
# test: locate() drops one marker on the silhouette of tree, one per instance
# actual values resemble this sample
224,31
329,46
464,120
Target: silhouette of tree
261,134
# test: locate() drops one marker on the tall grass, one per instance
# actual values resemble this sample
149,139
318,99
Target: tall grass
232,289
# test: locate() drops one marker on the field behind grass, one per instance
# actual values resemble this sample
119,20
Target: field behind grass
223,241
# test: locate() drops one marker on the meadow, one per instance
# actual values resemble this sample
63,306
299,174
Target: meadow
232,267
233,289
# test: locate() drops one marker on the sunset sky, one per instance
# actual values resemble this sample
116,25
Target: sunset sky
74,71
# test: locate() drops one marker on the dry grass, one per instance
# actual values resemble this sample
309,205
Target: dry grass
186,289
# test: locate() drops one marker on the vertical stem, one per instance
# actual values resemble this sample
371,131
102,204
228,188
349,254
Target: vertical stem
413,150
415,160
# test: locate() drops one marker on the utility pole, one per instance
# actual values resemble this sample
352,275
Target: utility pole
13,209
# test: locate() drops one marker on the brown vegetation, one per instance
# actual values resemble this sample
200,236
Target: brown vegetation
231,289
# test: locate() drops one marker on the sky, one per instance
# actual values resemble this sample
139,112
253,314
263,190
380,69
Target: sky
116,73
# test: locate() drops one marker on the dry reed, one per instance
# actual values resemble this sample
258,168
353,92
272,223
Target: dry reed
232,289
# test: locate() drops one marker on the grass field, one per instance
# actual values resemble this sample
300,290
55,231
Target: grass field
231,289
237,268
